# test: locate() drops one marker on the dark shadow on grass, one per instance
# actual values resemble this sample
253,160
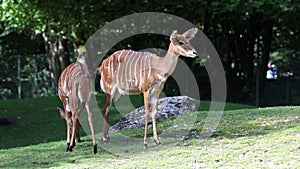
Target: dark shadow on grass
52,156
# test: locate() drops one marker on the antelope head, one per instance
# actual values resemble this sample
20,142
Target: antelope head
181,43
61,114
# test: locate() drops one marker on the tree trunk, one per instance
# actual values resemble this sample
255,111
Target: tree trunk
265,55
56,55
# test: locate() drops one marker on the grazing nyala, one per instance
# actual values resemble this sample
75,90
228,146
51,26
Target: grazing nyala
130,72
74,90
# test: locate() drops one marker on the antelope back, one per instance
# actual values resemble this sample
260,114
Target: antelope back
74,83
127,69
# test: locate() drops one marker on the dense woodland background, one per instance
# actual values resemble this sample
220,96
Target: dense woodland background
39,39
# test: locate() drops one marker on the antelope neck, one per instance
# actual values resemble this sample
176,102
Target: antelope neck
168,62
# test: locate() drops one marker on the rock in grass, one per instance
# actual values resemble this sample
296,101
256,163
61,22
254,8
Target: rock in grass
167,107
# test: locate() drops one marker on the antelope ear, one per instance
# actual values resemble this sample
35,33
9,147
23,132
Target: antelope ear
173,36
81,54
61,113
190,33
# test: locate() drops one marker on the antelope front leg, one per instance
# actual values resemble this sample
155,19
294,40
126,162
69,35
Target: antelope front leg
68,134
105,136
153,102
146,103
90,119
77,138
72,143
105,114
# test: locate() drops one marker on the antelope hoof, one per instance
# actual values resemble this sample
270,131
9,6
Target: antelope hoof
105,140
157,143
68,147
95,149
78,140
71,148
145,146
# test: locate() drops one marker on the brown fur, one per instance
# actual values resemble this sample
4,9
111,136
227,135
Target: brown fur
130,72
74,87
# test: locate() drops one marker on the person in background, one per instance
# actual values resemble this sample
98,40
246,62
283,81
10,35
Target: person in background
272,71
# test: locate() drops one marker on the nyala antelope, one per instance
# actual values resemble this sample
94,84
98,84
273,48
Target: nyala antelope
130,72
74,90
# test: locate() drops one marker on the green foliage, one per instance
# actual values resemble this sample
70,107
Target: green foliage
239,30
4,93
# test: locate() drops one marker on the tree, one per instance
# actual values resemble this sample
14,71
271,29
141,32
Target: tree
244,33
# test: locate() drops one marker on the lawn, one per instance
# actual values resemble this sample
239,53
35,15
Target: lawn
246,137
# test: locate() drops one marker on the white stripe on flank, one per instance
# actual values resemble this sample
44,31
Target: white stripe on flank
120,55
141,67
135,71
145,63
119,67
122,70
128,58
130,68
108,66
67,105
149,63
65,86
112,68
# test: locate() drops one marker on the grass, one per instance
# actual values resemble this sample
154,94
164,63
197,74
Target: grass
246,137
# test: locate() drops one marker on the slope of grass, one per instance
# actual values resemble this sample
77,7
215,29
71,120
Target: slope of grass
246,137
37,120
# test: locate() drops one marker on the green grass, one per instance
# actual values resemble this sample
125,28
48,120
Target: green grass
246,137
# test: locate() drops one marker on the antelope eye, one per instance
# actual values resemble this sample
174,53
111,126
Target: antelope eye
181,43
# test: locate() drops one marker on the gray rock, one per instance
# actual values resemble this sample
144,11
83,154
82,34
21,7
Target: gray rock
167,107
